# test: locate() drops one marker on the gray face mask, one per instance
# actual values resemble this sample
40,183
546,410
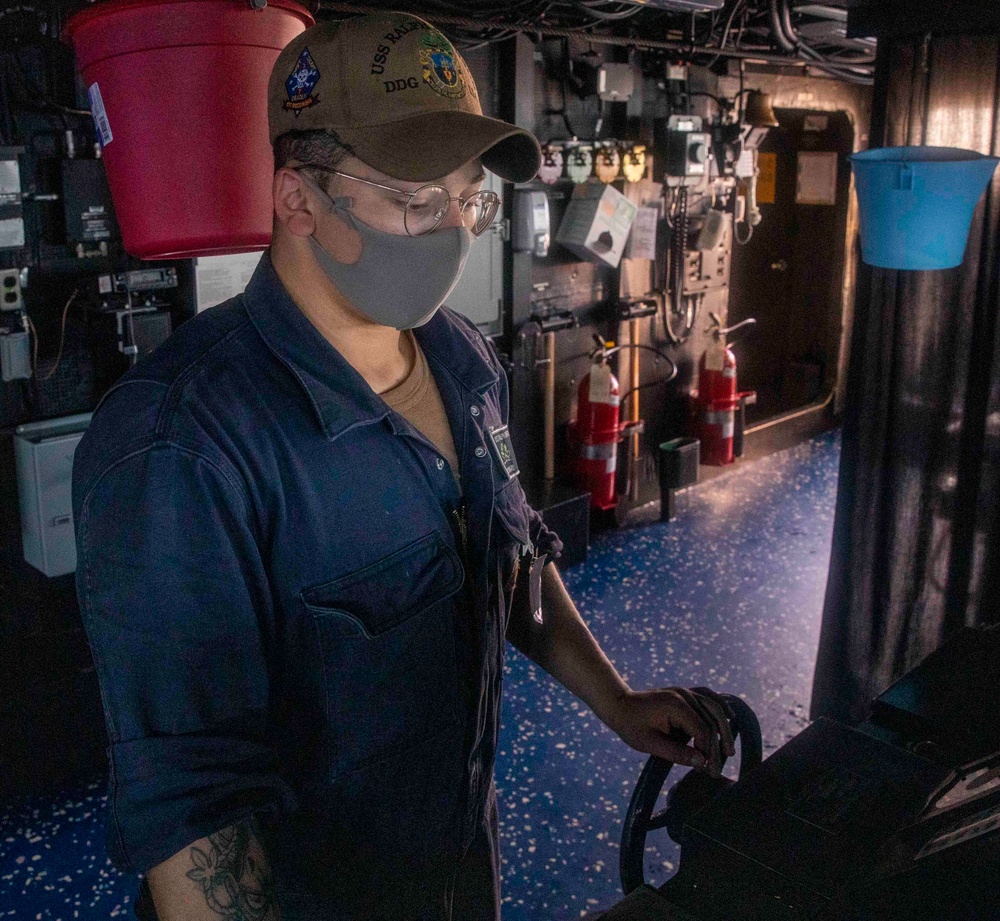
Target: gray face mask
398,280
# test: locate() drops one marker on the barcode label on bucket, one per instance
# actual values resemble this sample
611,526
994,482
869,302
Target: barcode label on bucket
100,116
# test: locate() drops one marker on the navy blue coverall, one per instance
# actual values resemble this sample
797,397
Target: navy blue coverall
295,614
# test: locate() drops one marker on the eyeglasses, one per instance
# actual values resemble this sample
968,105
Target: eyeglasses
426,207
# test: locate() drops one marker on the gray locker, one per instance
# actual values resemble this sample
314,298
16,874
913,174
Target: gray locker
43,453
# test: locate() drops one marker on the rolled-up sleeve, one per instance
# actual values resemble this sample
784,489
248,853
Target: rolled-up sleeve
545,540
177,611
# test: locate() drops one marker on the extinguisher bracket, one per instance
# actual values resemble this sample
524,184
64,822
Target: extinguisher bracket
631,428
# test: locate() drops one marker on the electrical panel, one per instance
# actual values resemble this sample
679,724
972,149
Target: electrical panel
706,269
11,216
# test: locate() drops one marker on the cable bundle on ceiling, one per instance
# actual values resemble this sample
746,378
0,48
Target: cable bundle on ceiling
761,29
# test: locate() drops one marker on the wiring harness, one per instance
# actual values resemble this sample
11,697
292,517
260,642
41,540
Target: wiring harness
761,29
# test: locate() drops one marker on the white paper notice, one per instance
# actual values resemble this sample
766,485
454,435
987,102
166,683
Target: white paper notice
218,278
642,241
817,183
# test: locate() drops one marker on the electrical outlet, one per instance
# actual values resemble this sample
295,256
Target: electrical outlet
10,290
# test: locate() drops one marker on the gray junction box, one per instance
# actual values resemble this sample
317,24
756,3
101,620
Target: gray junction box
43,453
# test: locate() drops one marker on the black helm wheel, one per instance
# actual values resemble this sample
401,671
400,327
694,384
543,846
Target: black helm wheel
690,794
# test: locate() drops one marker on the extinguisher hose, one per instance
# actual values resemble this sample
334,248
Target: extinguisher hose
607,353
655,383
649,348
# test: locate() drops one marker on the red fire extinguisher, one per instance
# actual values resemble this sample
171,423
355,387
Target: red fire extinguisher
595,435
717,399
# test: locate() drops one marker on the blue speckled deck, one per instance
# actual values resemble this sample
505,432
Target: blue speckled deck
729,595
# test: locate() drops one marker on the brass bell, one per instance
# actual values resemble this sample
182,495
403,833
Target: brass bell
758,113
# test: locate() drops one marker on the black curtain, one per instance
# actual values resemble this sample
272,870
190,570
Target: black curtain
917,528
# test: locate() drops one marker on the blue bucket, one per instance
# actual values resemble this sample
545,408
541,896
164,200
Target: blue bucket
916,204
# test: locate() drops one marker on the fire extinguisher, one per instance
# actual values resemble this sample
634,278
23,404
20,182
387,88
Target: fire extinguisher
717,399
595,435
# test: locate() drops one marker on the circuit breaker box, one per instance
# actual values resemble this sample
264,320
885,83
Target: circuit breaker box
43,454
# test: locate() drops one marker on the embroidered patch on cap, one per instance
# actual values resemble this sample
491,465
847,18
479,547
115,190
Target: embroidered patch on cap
440,70
300,84
504,450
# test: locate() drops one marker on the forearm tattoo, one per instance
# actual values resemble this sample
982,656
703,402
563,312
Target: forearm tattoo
234,875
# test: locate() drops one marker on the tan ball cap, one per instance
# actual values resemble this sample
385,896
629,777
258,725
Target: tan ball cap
396,90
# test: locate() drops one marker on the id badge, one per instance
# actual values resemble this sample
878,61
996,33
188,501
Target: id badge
503,450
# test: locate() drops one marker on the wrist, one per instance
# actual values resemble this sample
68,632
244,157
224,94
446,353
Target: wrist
615,705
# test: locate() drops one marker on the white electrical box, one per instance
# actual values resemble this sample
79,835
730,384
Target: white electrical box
43,456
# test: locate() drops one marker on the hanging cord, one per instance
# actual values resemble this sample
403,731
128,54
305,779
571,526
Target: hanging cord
62,340
725,32
690,314
669,211
37,94
678,264
749,183
738,237
678,249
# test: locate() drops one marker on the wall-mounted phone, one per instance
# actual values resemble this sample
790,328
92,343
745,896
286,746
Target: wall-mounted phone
531,232
688,147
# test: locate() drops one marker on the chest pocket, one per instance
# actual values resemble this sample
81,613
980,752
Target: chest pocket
387,640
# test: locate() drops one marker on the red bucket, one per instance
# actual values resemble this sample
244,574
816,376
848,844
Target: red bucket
178,89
